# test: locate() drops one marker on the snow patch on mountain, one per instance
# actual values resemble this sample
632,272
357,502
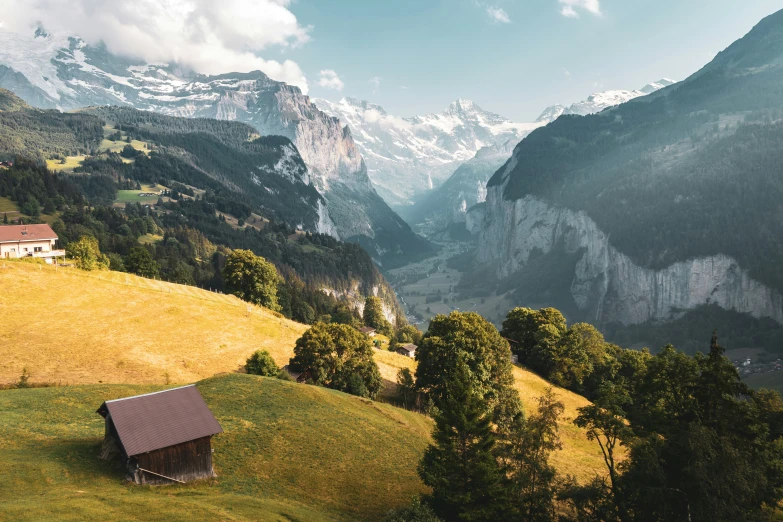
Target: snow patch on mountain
599,101
409,156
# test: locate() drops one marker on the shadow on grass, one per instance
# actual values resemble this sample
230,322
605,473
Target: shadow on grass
80,457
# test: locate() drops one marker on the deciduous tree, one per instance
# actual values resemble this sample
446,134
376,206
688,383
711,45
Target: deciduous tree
337,356
261,363
468,337
87,254
252,278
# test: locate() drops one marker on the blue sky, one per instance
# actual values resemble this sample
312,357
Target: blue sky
514,57
426,53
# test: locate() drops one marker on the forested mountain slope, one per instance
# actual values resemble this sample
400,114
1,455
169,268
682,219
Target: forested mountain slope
665,203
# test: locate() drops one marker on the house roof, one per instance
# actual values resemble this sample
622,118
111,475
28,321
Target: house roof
161,419
408,347
15,233
367,329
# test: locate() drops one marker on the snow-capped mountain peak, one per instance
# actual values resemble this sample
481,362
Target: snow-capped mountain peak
408,156
656,86
599,101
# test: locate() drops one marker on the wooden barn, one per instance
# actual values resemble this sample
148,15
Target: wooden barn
162,437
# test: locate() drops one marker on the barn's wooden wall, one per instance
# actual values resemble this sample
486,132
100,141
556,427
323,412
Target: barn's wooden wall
187,461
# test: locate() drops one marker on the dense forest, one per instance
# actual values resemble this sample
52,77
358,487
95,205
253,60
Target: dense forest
43,134
229,158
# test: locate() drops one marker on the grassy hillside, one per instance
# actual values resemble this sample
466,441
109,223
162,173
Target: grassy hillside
288,452
74,327
162,332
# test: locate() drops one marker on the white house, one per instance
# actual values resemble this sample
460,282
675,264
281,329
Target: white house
29,241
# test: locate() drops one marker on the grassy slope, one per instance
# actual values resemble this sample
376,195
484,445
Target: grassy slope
288,452
161,327
6,205
76,327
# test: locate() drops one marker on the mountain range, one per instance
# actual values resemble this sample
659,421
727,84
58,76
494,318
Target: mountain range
654,208
466,187
406,157
51,71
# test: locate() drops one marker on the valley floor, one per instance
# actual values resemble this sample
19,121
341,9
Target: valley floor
431,278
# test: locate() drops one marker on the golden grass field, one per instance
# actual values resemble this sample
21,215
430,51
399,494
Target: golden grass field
71,162
73,327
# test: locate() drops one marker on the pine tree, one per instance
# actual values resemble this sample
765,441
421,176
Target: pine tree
460,466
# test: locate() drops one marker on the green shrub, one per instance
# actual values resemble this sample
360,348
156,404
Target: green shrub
261,363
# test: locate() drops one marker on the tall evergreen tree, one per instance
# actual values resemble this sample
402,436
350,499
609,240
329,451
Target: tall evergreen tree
460,465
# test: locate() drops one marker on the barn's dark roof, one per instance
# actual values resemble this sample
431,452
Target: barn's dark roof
161,419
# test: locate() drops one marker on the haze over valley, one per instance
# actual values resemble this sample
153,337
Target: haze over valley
412,263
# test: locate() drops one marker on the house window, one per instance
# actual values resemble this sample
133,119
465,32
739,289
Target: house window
37,249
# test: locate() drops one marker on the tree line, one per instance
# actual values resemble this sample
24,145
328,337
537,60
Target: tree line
682,438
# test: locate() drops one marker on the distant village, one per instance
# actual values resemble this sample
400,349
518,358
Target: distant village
747,367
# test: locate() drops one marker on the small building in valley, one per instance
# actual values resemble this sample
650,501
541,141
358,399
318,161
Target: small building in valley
368,331
161,437
29,241
408,350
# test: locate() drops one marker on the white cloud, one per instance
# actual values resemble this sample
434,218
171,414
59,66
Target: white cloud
375,81
569,12
570,8
566,72
328,79
386,121
498,15
211,37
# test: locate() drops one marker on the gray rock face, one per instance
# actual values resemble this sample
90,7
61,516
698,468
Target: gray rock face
607,285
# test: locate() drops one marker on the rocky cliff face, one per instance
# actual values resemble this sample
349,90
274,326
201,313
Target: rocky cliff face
607,285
